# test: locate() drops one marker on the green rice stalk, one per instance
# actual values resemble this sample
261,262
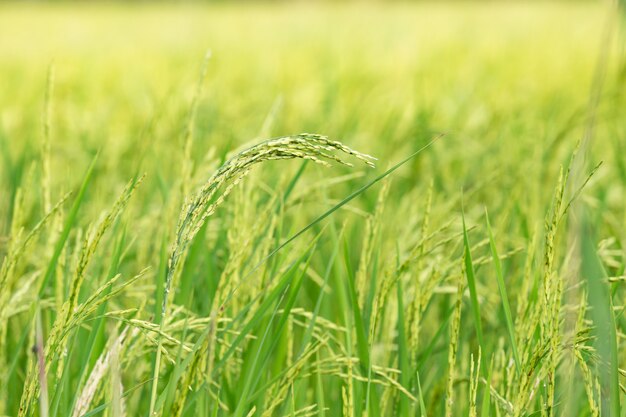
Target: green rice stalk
474,379
58,339
455,327
589,380
55,343
415,308
312,147
41,367
552,296
373,227
18,248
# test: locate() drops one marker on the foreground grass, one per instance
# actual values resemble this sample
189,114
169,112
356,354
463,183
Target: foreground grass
143,274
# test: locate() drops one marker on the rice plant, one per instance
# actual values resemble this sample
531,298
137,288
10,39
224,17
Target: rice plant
160,256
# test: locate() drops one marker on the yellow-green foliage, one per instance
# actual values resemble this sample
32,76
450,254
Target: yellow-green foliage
170,246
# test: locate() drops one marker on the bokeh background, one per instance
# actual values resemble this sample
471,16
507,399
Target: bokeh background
514,86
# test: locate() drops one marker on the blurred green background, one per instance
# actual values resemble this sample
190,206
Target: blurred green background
513,86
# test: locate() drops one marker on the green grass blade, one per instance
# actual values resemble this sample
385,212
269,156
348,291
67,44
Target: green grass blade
504,296
361,335
471,283
262,355
604,321
363,348
486,404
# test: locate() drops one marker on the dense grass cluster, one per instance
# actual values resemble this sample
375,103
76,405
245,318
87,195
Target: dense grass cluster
172,245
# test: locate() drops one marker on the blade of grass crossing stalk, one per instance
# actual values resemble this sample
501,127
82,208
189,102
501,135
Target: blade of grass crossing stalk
71,219
503,296
471,283
330,211
358,192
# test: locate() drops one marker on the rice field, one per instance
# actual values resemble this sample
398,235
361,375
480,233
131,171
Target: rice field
447,239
